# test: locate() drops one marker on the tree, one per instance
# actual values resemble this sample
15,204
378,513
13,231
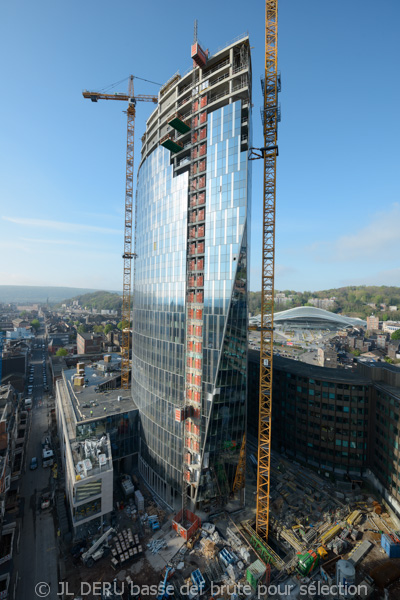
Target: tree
61,352
395,335
23,314
81,329
35,324
123,325
108,328
98,328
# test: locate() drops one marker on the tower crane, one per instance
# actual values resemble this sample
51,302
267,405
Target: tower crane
270,116
128,231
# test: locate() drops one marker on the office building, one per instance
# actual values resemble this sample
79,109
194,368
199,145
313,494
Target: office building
336,420
189,347
98,431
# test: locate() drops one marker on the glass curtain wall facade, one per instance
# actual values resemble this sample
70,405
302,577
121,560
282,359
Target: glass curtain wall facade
189,351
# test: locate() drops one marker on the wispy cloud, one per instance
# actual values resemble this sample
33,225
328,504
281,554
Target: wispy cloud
380,238
60,225
58,242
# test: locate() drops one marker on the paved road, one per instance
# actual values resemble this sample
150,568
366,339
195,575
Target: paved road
37,556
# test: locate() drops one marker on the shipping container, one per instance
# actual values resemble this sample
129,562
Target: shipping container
255,572
391,545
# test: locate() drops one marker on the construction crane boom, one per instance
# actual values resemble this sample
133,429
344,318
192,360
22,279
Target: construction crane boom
95,96
269,153
128,229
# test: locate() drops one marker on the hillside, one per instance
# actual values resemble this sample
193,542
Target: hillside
100,300
352,301
41,294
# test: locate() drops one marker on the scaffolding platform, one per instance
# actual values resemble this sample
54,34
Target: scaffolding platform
176,121
170,144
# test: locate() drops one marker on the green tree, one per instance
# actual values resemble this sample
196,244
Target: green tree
98,328
81,329
35,324
23,314
108,328
61,352
395,335
123,325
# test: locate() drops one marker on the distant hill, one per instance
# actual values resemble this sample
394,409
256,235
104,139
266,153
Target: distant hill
100,300
42,294
353,301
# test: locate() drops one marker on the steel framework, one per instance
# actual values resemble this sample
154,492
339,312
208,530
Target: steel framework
269,153
128,232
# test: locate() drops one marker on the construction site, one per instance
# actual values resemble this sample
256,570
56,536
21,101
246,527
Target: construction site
322,534
161,491
251,523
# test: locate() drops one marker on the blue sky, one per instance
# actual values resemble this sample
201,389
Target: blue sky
62,158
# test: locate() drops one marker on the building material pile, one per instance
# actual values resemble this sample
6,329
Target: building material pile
126,546
208,548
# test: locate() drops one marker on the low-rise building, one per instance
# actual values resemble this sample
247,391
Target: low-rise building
96,423
327,357
390,326
88,343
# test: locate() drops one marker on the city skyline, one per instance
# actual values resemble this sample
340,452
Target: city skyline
337,191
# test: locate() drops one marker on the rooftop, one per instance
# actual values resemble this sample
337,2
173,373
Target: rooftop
311,315
92,456
313,371
98,397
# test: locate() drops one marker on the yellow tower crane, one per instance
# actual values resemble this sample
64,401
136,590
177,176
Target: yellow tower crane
128,230
271,116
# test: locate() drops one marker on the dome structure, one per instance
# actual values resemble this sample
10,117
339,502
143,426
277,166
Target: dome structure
308,317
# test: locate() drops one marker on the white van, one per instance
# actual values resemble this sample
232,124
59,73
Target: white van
28,403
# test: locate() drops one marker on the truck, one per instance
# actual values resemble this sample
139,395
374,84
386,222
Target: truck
47,453
97,550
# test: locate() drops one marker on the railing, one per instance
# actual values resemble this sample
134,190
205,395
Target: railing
220,78
236,39
238,69
239,86
216,68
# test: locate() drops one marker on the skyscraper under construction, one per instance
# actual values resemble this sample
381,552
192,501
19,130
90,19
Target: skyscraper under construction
189,358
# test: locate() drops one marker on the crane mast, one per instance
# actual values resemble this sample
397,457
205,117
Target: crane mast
128,227
127,255
269,153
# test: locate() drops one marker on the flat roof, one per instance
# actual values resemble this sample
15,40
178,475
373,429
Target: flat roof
89,402
313,371
92,456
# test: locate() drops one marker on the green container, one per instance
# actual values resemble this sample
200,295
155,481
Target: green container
255,572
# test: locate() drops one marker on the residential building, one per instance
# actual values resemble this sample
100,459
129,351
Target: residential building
324,303
189,366
381,341
88,343
373,323
327,357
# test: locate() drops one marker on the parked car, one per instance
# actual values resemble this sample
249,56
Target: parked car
34,464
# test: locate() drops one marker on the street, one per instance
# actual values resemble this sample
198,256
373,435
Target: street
37,553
